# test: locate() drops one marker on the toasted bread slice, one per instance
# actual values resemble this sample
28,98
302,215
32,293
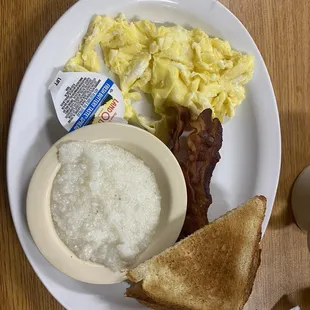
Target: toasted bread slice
214,268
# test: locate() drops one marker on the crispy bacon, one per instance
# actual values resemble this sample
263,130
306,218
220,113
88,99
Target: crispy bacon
203,143
181,122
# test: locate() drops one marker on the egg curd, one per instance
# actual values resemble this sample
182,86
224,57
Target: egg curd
172,64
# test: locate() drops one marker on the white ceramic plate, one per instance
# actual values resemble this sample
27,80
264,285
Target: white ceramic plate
251,150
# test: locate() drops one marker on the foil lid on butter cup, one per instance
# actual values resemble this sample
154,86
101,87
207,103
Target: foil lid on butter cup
84,98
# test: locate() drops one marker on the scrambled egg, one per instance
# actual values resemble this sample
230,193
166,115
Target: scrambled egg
172,64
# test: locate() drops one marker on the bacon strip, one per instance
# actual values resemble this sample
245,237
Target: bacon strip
182,121
204,143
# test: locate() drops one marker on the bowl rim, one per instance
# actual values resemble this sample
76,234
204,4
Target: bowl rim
40,220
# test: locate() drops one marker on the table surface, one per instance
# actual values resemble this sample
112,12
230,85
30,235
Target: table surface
281,31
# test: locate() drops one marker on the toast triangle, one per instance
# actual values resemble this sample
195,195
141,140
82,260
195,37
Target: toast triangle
214,268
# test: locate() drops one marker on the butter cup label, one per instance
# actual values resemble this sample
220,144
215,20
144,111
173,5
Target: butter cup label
84,98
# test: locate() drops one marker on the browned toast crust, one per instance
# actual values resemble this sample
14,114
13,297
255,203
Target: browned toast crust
213,268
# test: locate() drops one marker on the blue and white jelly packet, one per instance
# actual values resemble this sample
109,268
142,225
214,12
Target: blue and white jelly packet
83,98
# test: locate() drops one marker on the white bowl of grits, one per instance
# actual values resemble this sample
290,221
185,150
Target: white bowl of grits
103,199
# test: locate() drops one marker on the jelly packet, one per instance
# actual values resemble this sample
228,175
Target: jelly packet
83,98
